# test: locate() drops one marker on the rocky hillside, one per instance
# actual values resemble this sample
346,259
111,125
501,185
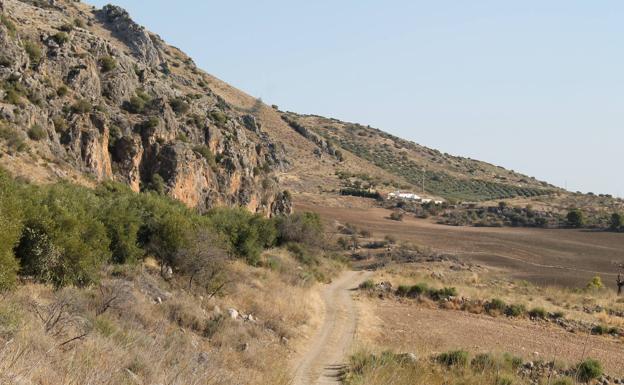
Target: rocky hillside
89,95
444,175
88,92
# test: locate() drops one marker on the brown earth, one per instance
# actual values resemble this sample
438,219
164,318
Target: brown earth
412,328
324,355
542,256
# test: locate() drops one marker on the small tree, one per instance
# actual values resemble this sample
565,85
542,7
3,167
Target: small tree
617,221
575,218
203,260
305,227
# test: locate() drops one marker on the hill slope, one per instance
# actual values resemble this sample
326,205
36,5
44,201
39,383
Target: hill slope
89,95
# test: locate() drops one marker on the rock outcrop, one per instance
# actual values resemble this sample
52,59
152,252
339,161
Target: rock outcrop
116,103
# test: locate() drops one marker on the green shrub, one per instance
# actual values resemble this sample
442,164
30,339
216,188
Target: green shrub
575,218
13,97
149,124
496,305
358,192
443,293
13,138
135,105
301,227
157,185
10,230
369,284
301,253
60,38
10,26
63,243
67,27
36,132
60,124
512,361
246,234
616,222
418,289
453,358
595,283
205,152
121,216
81,106
564,381
538,312
166,227
179,106
588,370
107,63
482,362
219,117
62,91
33,50
403,290
515,310
602,329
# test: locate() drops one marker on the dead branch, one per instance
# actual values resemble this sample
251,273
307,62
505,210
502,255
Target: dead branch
83,335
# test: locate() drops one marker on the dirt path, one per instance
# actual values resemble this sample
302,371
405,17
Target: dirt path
325,355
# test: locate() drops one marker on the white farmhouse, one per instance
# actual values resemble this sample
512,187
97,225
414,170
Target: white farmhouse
404,195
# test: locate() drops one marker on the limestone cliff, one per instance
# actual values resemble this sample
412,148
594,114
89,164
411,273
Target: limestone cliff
90,92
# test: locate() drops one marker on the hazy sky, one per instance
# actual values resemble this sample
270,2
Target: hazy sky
532,85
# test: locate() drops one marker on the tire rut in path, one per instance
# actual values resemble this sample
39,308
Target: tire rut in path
324,357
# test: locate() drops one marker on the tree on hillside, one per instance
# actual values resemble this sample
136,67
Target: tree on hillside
203,260
617,221
575,218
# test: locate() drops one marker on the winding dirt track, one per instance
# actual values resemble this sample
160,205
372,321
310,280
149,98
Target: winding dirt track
325,355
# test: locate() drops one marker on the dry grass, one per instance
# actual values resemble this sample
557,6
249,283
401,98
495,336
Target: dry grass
391,369
486,285
187,339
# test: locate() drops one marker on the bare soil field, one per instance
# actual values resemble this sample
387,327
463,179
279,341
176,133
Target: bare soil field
408,327
542,256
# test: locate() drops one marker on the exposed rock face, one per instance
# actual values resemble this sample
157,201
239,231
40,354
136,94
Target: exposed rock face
135,36
282,204
117,103
323,145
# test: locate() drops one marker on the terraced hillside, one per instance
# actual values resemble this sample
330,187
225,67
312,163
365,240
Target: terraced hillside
444,175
